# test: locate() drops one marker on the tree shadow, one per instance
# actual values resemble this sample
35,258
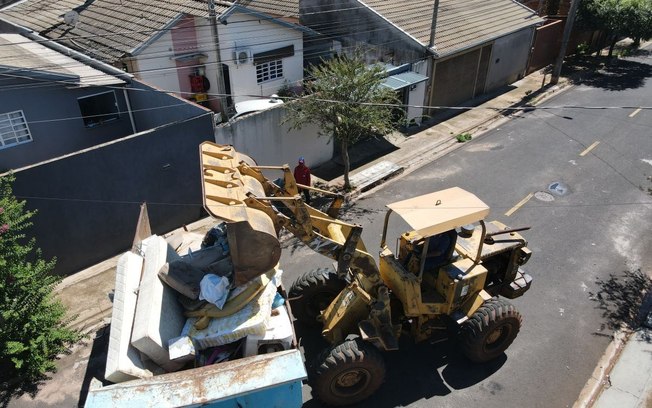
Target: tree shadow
361,153
414,372
11,390
611,74
623,300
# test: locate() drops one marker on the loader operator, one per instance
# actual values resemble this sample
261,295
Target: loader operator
302,176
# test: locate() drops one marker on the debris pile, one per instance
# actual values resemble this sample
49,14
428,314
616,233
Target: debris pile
177,305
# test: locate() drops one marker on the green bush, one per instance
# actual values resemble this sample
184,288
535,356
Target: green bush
463,137
583,49
32,321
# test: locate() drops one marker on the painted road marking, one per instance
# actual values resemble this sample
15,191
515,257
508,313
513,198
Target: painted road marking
519,205
588,149
631,115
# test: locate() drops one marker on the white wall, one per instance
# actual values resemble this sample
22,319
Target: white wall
417,95
509,57
265,138
245,31
155,65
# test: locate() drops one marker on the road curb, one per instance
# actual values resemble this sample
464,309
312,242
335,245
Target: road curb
600,376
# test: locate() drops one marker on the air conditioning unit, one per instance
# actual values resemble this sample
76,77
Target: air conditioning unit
241,56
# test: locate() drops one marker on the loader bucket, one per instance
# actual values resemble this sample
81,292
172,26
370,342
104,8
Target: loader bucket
252,237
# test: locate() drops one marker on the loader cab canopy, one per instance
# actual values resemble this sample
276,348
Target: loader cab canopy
441,211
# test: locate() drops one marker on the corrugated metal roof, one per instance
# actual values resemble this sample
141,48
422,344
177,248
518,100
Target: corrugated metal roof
460,24
109,29
278,8
403,80
24,57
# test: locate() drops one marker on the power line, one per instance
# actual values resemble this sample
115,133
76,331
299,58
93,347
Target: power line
166,53
163,70
497,207
388,105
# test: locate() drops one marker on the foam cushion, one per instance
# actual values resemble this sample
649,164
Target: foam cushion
123,361
159,316
250,320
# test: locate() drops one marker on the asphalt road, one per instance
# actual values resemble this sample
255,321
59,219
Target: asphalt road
589,218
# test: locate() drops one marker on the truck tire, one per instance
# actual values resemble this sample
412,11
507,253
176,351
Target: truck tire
313,292
490,331
348,373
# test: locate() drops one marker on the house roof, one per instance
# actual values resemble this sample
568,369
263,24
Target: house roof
460,24
109,29
22,57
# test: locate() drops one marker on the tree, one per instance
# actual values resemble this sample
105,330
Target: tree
32,321
348,103
619,18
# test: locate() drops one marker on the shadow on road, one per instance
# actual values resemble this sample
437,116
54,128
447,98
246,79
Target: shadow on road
361,153
623,299
415,372
609,74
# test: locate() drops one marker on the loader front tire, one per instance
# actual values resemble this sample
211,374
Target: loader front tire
490,331
348,373
313,292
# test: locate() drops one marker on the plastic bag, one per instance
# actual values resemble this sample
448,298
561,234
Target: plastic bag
214,289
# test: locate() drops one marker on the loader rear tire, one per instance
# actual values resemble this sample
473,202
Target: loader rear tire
348,373
490,331
313,292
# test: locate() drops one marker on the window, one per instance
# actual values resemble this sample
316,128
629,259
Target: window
269,70
99,108
13,129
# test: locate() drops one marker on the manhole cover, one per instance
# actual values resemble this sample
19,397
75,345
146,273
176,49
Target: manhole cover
543,196
558,188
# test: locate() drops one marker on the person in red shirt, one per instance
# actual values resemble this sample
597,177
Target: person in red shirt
302,176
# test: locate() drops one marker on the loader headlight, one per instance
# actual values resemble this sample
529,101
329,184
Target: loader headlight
523,255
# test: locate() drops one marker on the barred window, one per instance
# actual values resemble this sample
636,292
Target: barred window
13,129
268,71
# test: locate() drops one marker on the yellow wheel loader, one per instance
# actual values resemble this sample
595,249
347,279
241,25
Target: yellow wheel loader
450,270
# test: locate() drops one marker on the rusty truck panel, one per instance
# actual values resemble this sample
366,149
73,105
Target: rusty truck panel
266,380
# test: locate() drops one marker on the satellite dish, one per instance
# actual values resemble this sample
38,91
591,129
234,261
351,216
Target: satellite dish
71,18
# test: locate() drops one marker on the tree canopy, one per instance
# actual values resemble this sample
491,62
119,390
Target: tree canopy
619,18
347,101
32,321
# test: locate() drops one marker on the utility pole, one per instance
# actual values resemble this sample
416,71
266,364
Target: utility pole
556,72
433,26
221,89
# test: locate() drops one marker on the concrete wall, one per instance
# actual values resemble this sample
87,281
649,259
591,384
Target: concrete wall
546,44
88,202
152,108
54,121
509,58
265,138
156,66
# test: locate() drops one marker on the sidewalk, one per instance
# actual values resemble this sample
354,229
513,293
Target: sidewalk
630,382
625,378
